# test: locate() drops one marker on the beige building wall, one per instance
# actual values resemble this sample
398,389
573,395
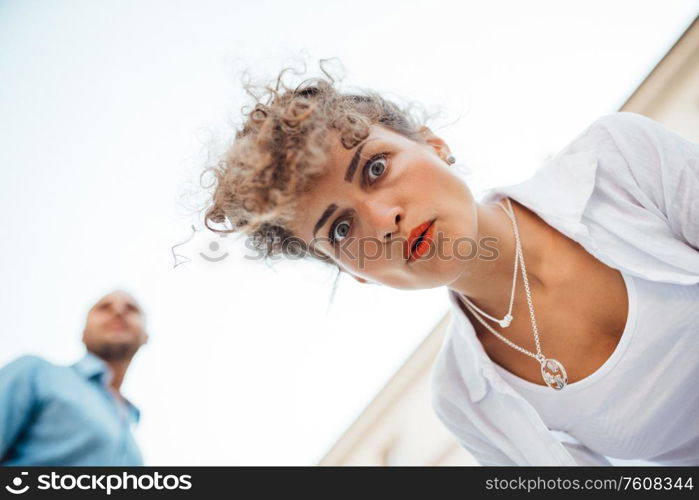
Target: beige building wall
670,93
399,427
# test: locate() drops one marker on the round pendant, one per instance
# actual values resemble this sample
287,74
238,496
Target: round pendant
554,374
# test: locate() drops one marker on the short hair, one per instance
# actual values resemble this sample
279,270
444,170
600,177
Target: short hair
280,150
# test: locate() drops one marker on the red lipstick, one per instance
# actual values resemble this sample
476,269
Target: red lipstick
419,241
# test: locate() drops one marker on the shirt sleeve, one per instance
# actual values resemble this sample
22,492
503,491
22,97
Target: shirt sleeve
664,165
18,400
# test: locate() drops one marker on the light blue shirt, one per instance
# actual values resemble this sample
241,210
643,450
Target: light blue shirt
64,415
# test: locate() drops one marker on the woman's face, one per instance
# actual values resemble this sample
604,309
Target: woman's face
367,210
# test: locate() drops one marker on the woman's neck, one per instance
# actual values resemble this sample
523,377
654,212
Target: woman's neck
487,279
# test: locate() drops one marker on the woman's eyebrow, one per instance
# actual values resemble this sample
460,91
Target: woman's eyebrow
355,161
326,214
349,174
353,164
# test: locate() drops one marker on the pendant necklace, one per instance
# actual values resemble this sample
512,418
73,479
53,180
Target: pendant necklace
552,371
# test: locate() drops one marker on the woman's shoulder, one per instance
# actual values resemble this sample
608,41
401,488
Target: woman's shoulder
606,138
626,126
624,120
634,154
647,147
659,165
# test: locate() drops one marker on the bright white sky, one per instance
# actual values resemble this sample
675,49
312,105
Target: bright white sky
107,110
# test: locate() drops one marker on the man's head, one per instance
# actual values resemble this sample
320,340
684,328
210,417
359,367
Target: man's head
115,327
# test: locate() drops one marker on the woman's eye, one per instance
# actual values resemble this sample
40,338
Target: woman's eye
340,231
375,168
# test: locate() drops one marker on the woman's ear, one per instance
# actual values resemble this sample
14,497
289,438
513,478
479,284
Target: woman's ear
436,142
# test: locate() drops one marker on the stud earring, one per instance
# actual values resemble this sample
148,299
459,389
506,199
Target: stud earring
451,160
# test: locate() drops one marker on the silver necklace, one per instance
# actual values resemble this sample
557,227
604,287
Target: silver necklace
552,371
507,319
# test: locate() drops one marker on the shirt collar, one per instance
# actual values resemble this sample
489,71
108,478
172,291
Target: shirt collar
475,366
558,191
134,412
477,372
93,367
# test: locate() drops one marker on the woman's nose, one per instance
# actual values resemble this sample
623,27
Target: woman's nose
383,218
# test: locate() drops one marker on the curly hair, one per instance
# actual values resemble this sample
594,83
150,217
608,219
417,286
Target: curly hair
280,150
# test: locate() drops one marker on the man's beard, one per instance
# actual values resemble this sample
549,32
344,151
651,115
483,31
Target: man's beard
114,352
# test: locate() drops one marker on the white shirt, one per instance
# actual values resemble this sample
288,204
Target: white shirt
627,190
642,403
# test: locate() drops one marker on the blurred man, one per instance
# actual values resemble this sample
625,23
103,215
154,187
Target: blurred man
76,415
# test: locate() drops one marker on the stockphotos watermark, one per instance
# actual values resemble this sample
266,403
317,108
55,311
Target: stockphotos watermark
368,249
106,483
362,250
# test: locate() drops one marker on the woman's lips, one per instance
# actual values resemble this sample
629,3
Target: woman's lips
424,230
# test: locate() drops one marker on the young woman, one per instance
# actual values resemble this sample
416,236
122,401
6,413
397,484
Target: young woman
575,294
